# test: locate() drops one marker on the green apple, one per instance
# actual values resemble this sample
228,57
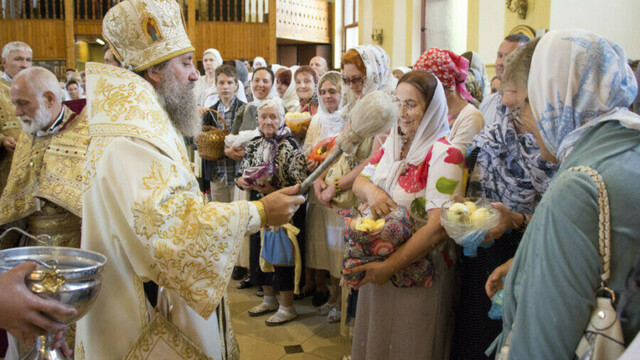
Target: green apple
458,212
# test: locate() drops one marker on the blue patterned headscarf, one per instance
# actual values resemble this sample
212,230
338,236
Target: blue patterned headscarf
579,79
509,167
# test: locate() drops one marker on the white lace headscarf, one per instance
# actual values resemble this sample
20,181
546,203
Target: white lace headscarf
377,77
434,125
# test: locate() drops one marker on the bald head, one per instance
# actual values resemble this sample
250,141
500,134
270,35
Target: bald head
319,64
38,98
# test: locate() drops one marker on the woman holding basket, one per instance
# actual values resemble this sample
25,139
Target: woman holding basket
420,170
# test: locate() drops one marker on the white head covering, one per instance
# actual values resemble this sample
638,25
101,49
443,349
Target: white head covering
434,126
215,53
259,62
577,80
290,98
331,123
276,67
378,75
478,65
272,93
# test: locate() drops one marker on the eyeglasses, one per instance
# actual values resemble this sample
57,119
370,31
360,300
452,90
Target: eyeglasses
354,80
407,104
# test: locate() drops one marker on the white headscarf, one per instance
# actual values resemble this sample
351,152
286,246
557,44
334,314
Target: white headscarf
378,75
434,125
272,93
331,123
290,98
215,53
577,80
259,62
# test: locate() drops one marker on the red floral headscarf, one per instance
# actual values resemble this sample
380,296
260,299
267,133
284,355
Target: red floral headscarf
449,68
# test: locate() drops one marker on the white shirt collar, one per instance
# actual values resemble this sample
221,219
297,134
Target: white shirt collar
55,127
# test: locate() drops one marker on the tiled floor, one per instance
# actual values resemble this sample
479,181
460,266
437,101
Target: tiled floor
319,339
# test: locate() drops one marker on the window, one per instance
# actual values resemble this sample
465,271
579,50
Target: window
349,24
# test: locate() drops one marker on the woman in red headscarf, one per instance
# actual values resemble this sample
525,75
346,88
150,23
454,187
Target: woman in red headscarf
451,69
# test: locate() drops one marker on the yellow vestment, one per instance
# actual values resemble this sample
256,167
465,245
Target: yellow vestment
9,126
143,209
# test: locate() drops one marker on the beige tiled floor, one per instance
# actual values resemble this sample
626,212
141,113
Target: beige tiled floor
319,339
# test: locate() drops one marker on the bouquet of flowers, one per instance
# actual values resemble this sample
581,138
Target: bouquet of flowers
321,150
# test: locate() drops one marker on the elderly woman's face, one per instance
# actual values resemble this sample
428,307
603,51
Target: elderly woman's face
513,96
305,85
261,84
412,108
268,121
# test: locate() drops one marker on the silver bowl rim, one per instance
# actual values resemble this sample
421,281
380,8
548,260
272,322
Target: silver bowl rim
96,256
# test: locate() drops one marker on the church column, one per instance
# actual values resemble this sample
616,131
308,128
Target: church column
272,47
191,20
70,43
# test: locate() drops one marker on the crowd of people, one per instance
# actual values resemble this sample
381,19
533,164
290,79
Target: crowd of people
562,101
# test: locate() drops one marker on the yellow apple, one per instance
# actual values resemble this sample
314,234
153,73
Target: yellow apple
478,216
458,212
470,205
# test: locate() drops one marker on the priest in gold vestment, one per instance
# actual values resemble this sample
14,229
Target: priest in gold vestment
44,188
16,56
142,207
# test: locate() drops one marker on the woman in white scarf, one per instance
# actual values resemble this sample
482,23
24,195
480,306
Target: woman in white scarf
206,86
286,88
324,225
420,170
364,69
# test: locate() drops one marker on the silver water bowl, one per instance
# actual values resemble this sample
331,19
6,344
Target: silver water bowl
68,275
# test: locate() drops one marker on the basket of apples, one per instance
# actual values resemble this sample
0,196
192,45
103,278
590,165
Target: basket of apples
467,221
296,121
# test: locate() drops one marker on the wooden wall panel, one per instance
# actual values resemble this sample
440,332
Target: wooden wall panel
234,40
46,37
87,27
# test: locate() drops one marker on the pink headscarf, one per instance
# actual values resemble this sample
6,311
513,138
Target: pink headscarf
449,68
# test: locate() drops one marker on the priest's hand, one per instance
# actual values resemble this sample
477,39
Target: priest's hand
24,314
282,204
9,143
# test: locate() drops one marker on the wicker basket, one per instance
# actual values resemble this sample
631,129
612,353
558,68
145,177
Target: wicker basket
211,141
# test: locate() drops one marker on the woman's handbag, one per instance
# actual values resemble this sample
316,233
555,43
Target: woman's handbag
602,339
210,142
277,248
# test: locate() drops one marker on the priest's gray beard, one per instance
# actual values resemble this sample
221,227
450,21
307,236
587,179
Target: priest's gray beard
180,104
40,120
